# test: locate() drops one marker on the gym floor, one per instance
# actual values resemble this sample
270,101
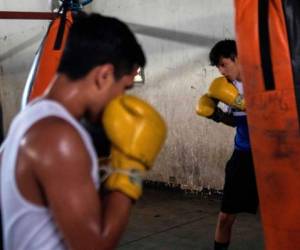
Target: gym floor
166,220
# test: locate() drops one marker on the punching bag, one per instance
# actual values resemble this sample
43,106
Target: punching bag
268,40
47,58
43,70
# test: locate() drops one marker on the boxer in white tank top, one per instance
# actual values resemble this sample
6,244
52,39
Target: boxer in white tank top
49,182
19,215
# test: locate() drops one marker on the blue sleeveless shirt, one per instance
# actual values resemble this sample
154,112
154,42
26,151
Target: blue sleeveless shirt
241,140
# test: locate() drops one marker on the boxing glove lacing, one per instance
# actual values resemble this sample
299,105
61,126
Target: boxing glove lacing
135,176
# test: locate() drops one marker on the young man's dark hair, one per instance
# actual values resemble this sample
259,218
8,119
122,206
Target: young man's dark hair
112,43
224,48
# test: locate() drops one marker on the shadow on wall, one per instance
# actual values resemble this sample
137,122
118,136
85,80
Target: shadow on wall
176,36
13,72
20,47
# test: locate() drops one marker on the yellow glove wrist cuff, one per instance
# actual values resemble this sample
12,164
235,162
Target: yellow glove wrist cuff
124,175
129,184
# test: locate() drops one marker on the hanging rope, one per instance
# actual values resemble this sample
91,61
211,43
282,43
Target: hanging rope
74,5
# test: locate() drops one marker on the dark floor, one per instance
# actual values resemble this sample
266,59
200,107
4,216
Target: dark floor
166,220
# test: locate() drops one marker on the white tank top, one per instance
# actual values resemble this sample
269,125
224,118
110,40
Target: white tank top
26,225
239,87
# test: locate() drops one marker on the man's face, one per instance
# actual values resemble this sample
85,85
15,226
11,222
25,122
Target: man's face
118,87
121,85
229,68
110,89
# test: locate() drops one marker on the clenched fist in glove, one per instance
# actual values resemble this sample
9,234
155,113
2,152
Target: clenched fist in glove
137,132
207,107
226,92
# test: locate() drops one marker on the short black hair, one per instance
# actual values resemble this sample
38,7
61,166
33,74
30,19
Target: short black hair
224,48
95,40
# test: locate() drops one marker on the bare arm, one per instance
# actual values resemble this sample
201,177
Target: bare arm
63,169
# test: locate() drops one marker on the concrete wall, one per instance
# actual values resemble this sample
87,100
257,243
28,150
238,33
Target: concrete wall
19,40
176,36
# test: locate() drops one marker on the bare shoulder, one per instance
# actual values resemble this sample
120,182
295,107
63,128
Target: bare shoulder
53,142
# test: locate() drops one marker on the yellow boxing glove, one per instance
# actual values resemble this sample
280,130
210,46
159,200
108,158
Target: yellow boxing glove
137,133
226,92
205,106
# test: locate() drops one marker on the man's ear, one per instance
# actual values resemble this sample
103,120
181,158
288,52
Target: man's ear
104,75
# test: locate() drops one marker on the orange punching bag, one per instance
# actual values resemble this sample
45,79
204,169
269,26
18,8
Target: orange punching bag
44,68
47,58
268,39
